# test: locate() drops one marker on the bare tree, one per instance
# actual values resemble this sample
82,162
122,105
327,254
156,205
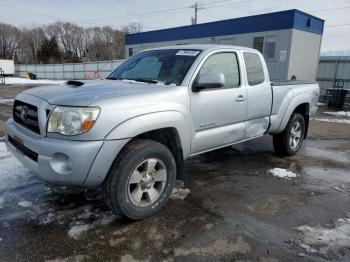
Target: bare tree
10,38
132,28
71,43
32,40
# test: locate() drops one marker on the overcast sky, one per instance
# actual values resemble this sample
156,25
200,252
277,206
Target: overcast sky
117,13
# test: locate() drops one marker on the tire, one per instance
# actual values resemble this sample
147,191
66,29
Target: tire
282,142
140,180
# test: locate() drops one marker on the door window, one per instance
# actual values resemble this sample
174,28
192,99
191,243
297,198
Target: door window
254,67
225,63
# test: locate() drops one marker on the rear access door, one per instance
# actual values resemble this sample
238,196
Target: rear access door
259,95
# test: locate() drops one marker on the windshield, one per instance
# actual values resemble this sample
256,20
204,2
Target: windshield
168,67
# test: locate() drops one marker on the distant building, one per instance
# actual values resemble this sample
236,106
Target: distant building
289,40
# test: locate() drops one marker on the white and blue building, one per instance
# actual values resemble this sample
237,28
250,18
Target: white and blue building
289,40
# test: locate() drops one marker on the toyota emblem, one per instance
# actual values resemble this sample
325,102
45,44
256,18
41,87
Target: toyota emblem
24,114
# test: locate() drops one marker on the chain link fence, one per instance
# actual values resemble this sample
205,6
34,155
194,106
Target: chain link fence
331,69
88,70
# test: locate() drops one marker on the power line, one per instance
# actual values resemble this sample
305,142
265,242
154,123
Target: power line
135,14
337,25
329,9
161,11
31,12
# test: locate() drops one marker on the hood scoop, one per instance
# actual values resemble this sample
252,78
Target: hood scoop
74,83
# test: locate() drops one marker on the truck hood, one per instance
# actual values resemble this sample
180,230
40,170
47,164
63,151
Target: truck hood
83,93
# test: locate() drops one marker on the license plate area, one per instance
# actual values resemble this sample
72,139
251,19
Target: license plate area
22,149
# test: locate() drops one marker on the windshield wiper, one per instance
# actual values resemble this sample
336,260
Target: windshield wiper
112,78
150,81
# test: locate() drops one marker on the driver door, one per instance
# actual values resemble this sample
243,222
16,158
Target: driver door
218,115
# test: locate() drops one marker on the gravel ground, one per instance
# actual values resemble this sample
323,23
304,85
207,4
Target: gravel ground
234,206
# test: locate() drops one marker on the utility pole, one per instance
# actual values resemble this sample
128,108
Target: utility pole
194,20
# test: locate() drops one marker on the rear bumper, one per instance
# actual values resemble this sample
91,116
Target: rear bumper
64,162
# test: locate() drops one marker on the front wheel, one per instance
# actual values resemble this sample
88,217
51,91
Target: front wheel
290,140
141,180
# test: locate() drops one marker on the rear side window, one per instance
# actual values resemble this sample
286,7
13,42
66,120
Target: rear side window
225,63
255,70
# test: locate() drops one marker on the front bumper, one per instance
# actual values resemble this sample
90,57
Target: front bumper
64,162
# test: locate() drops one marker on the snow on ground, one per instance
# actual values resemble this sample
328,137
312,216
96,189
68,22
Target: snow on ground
339,113
25,204
22,196
6,101
282,173
12,174
333,120
19,80
79,226
77,230
179,191
326,241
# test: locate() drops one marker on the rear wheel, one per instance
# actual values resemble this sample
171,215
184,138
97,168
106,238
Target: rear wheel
290,140
141,180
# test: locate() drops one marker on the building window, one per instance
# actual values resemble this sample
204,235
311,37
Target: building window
131,51
270,47
254,67
259,44
225,63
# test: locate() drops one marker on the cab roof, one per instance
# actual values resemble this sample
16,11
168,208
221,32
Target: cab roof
204,47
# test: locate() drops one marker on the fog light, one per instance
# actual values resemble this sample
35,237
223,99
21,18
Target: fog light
61,163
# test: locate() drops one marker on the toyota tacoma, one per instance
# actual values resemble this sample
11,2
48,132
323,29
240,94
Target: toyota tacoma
132,131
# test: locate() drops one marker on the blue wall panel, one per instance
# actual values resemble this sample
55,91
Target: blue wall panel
258,23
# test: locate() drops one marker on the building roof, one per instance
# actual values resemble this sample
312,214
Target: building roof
258,23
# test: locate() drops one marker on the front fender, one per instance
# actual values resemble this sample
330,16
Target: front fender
152,121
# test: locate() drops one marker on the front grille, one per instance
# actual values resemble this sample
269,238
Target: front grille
25,150
26,115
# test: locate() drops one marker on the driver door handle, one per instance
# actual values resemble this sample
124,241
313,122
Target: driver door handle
240,98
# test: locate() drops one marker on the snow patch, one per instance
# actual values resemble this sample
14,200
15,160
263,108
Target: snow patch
179,191
339,113
333,120
6,101
282,173
77,230
329,242
25,204
19,80
13,174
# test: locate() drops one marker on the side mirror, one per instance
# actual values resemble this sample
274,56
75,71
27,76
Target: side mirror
209,81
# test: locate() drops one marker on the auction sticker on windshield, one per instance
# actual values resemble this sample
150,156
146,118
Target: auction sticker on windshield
188,52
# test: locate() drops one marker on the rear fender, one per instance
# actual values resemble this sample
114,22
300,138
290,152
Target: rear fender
296,101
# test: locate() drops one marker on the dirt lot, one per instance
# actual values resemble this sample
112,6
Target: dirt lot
232,208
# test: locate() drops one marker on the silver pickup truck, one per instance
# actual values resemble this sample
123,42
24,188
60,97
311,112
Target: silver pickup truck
132,131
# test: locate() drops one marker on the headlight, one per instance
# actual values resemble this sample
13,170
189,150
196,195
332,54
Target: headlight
72,120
